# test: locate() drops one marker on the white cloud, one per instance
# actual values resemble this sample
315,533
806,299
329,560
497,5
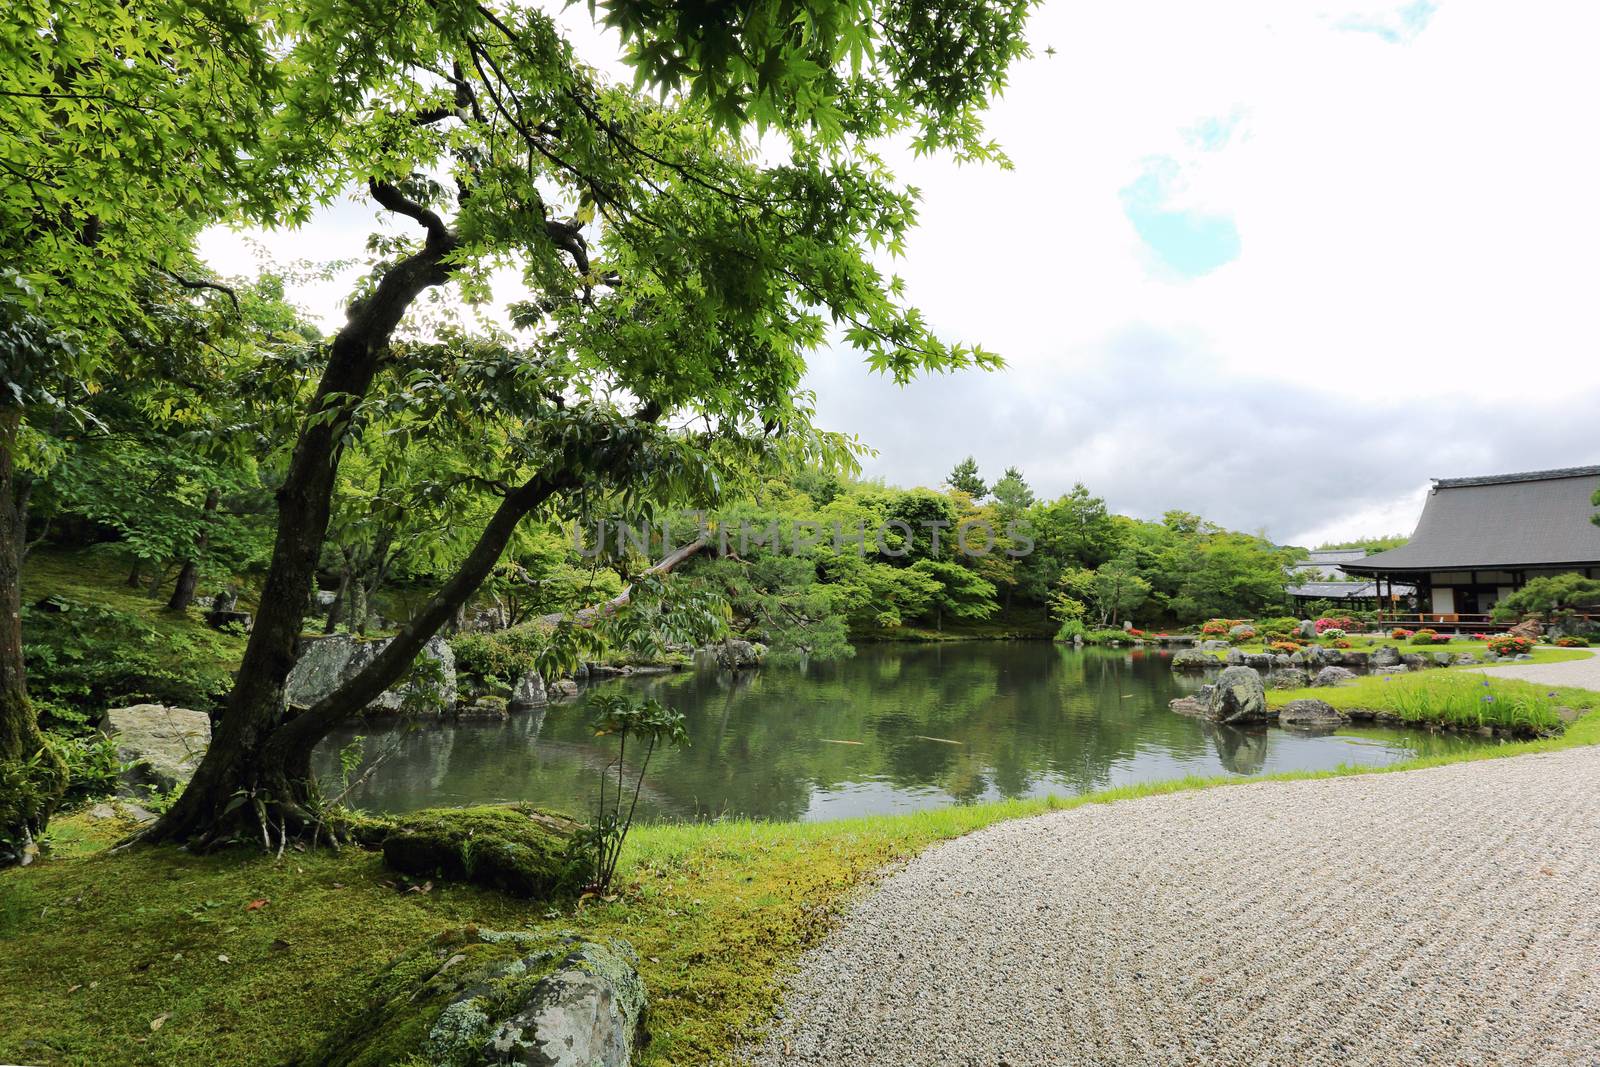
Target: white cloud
1417,224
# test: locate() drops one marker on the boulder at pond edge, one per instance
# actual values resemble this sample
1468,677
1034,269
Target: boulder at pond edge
1238,697
1310,713
326,663
1193,659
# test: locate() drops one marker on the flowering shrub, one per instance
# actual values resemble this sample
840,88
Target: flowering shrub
1400,633
1342,623
1510,645
1339,643
1332,633
1286,647
1220,627
1571,641
1429,637
1240,634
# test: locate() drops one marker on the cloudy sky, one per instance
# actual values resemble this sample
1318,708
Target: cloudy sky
1278,263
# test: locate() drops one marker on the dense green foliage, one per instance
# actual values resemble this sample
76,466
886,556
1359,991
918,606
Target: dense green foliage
1553,597
1372,545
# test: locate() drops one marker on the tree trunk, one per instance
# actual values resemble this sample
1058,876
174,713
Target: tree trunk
32,776
210,808
336,609
189,575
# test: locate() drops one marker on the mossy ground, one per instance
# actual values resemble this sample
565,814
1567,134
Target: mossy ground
100,946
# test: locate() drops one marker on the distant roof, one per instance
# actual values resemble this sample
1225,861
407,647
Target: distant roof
1328,559
1501,521
1335,555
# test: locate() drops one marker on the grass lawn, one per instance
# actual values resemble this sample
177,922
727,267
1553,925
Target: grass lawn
156,956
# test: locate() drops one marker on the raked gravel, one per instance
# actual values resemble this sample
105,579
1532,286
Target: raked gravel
1582,673
1443,916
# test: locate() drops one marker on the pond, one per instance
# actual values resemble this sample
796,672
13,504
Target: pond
896,728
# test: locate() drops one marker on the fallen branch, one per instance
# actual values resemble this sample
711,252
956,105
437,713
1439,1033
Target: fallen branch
590,615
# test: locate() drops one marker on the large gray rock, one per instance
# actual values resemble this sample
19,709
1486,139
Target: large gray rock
1310,713
1192,659
1444,659
1261,661
1308,628
529,692
588,1013
163,745
1235,658
734,655
1417,661
1354,659
1215,646
328,662
481,997
1333,676
1191,705
1387,656
1237,697
1288,678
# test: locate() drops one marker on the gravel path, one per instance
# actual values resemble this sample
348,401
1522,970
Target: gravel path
1583,673
1444,916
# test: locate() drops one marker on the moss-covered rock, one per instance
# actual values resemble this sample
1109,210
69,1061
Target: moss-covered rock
517,849
473,997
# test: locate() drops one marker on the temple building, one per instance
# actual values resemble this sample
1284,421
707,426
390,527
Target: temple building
1480,539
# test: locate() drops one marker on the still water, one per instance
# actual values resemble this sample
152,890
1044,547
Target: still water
897,728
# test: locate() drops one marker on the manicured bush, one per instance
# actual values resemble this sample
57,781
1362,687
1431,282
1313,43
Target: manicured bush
1108,637
1510,645
1220,627
1429,637
1332,633
1288,648
1571,641
1240,634
1400,633
1341,642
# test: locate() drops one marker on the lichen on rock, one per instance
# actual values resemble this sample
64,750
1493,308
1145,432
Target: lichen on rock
473,997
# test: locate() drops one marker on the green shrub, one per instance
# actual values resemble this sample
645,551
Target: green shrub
92,765
504,655
84,657
1572,641
1071,628
1109,637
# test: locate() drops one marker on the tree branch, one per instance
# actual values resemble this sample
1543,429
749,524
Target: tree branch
394,200
200,283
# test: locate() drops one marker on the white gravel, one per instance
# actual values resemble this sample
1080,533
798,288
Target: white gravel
1445,916
1583,673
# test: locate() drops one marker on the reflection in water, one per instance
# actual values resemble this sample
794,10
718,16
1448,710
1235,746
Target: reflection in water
933,725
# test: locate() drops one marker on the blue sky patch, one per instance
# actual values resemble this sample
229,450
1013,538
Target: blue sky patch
1191,242
1398,27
